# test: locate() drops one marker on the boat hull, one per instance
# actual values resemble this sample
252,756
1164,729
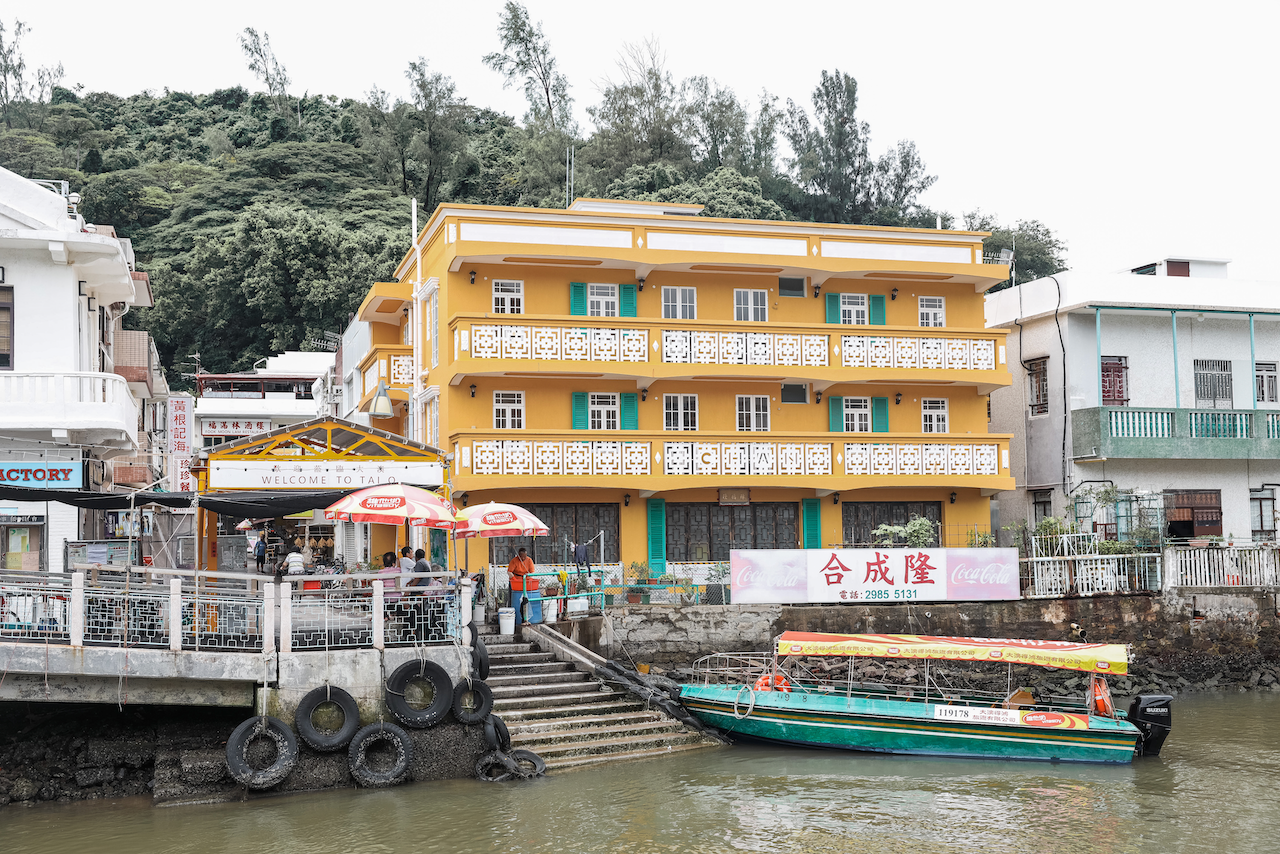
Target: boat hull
907,726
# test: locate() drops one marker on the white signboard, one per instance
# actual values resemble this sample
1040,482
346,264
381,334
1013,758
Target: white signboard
234,426
181,431
329,474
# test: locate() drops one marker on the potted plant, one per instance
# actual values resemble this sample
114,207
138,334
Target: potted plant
637,594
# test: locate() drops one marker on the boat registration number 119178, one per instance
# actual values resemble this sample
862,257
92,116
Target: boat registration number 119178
1010,717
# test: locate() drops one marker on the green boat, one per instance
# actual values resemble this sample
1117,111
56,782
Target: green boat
778,698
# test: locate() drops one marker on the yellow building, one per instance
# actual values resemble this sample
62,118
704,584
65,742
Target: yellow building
688,385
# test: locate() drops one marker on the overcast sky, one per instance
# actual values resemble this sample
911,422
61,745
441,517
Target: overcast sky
1133,130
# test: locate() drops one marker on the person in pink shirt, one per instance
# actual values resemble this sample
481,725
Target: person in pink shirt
390,576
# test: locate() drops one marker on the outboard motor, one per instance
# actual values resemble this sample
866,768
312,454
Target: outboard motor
1153,716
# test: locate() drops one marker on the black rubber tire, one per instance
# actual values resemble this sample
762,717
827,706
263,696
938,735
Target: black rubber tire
472,704
475,633
495,733
238,747
480,659
441,701
357,759
321,740
492,767
531,764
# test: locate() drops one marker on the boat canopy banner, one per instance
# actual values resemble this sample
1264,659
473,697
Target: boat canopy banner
799,576
1090,657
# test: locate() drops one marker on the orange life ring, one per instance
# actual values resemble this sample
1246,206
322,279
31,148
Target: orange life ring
1102,704
775,682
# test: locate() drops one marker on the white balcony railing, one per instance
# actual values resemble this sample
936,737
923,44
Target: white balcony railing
74,401
711,458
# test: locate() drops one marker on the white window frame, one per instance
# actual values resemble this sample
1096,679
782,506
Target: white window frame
510,299
508,410
753,413
934,415
679,302
857,415
1266,381
679,412
602,411
602,300
432,330
750,305
433,409
854,310
933,311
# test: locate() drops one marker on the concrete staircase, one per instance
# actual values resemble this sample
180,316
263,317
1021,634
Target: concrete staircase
566,718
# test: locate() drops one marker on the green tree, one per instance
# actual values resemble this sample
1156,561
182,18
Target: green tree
13,69
30,154
263,63
436,144
526,56
72,128
1038,252
723,193
717,123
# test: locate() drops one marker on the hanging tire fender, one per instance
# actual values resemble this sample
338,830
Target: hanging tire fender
238,747
496,734
317,739
423,671
357,755
493,767
472,701
480,659
531,764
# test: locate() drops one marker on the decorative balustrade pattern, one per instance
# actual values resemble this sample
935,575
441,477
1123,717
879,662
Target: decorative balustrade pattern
556,343
1223,567
132,618
1140,423
861,458
937,353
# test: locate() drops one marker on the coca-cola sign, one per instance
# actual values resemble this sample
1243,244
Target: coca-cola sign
872,576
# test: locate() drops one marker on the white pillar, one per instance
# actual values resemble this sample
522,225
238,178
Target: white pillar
75,619
269,616
286,616
464,606
175,614
379,616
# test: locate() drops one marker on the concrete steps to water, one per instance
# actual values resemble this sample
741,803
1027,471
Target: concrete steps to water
565,717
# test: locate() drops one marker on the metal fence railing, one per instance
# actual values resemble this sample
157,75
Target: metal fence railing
1223,567
1089,575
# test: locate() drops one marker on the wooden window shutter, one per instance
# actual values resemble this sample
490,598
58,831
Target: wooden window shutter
833,308
629,410
626,300
835,410
811,509
879,415
657,537
876,309
578,298
580,410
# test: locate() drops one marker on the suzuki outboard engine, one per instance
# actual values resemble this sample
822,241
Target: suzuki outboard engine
1153,716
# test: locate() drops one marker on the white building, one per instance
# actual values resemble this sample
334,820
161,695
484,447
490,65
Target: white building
1160,382
64,411
276,394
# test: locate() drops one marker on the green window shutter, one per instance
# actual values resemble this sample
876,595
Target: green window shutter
657,537
879,415
835,409
877,309
578,298
626,300
811,510
833,308
629,409
579,410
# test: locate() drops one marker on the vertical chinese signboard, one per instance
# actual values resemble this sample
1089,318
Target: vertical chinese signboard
181,433
794,576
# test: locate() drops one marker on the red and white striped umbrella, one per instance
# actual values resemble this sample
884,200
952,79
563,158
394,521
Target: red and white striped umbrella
498,520
393,504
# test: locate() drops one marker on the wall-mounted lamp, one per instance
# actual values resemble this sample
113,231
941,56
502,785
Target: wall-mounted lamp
644,394
893,295
463,498
626,500
406,312
817,289
817,397
93,304
897,398
473,277
381,407
640,279
835,498
473,390
953,498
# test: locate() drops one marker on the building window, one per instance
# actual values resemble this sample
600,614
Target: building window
1038,386
933,415
753,413
508,410
680,412
1262,509
1041,505
1115,381
508,297
853,309
933,311
857,415
602,300
1213,384
1265,378
790,287
680,303
795,393
6,329
602,412
433,410
431,330
752,306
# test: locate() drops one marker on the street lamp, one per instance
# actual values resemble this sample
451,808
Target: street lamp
381,406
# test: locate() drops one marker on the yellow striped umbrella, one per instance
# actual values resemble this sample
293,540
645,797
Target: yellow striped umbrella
394,504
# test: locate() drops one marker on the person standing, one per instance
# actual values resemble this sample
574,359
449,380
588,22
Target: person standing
521,582
260,550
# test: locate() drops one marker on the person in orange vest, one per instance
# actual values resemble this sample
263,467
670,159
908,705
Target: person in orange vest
519,568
